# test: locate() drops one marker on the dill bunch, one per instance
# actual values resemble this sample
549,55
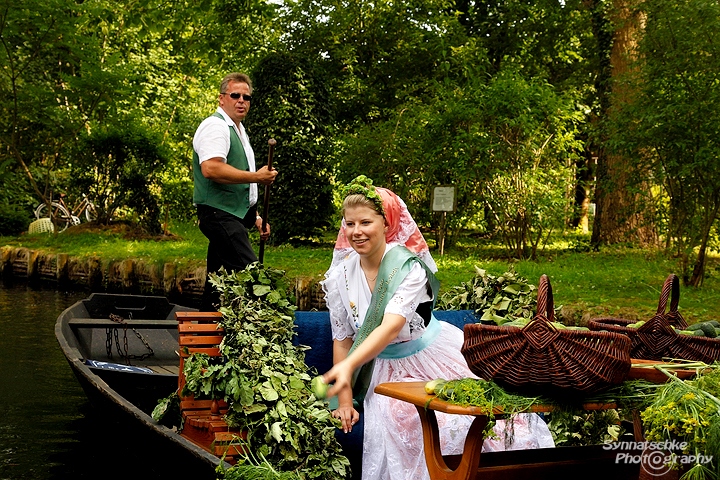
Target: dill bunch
689,411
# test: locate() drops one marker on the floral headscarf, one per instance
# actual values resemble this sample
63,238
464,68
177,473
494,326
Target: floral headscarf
402,228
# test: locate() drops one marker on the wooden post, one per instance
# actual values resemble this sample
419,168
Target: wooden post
442,233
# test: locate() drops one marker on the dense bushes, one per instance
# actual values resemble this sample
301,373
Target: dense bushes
291,108
119,168
13,220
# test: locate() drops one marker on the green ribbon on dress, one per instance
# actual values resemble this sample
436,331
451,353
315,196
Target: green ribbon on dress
395,266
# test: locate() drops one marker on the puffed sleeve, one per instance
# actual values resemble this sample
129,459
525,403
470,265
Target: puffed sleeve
412,292
340,319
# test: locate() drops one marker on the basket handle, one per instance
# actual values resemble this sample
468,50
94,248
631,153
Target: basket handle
545,305
670,289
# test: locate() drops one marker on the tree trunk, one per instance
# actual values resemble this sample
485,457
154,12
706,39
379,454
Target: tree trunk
584,173
624,209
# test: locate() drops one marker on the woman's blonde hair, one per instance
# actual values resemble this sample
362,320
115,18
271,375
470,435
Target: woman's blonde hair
359,200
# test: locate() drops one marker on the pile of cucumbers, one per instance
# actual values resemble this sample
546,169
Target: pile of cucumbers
709,329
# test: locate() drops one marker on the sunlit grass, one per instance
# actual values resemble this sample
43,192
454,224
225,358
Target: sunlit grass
617,281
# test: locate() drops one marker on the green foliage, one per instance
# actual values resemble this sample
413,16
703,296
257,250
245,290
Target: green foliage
504,144
13,221
571,428
550,39
499,299
377,54
167,411
688,411
176,195
118,168
290,105
14,189
533,133
485,394
254,467
264,378
42,100
15,202
670,124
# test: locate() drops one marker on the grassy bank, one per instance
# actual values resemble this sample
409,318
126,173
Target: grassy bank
615,281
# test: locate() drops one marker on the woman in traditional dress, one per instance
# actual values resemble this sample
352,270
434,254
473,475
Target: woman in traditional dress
380,291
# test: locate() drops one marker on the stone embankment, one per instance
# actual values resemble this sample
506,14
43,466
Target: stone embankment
180,284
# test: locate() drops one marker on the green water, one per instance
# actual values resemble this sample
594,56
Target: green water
47,428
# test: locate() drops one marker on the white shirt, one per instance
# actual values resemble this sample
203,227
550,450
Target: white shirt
212,140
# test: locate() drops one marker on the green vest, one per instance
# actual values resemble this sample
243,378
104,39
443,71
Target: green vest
231,198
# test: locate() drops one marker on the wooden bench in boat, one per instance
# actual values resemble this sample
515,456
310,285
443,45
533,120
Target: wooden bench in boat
203,422
589,463
106,322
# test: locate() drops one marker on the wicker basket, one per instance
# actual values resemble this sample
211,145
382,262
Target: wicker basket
541,358
41,225
656,339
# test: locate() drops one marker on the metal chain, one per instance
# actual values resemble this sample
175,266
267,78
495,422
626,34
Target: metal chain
123,352
108,341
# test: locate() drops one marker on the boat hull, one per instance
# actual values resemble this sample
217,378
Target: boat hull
123,395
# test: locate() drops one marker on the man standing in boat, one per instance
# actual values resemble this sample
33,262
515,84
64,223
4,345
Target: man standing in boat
225,183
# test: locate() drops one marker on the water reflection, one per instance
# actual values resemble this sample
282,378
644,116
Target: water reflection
47,428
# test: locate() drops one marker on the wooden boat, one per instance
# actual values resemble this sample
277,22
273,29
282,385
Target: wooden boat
123,349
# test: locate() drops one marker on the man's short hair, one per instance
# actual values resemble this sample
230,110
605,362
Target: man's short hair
237,78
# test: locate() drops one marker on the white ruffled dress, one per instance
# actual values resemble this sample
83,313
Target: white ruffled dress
392,439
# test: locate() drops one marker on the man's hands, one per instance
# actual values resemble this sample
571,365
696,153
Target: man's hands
258,224
217,170
266,176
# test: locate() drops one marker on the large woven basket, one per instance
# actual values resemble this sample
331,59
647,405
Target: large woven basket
542,358
656,339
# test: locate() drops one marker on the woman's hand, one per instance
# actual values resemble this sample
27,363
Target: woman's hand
340,375
348,416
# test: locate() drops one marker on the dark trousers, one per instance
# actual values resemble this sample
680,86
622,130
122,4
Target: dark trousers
229,247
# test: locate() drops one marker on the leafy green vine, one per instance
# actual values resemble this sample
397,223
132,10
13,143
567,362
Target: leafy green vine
264,379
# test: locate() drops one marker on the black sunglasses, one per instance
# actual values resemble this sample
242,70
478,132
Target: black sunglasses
236,96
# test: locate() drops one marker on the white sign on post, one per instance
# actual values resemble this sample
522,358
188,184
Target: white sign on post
443,199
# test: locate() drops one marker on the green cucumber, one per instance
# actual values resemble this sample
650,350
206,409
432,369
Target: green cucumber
708,330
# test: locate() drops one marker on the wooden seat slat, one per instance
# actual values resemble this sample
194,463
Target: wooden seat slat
198,316
164,369
211,340
198,328
208,423
200,404
229,436
213,352
134,323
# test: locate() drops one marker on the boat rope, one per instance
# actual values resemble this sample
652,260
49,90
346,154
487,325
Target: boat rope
112,334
